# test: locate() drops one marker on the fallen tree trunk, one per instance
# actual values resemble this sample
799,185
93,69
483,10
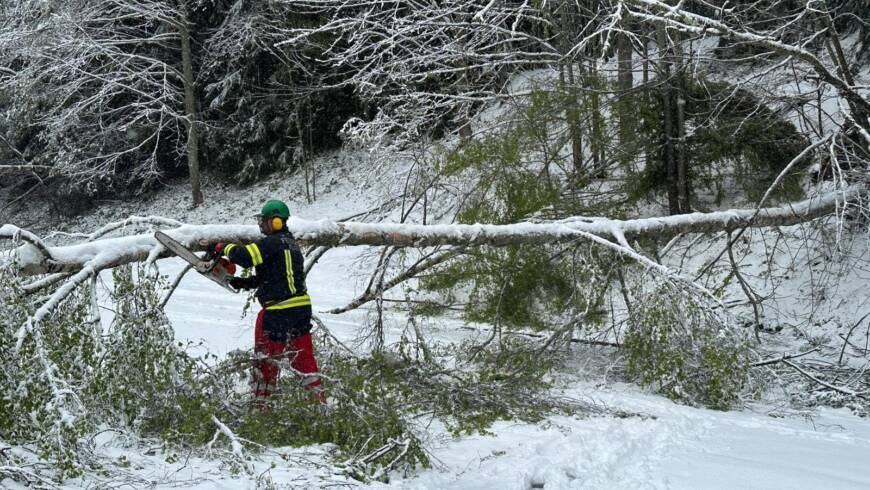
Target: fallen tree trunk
36,257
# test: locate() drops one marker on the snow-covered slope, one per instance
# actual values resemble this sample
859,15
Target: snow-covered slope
671,447
668,446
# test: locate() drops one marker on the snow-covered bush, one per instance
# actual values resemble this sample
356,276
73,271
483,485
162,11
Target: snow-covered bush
379,404
679,343
368,412
505,379
68,378
142,371
62,377
39,405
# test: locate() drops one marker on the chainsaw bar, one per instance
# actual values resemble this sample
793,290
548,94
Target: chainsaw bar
208,268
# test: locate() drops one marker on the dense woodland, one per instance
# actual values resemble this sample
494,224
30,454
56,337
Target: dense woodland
111,97
533,117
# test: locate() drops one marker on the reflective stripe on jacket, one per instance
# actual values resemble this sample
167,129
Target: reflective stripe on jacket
280,270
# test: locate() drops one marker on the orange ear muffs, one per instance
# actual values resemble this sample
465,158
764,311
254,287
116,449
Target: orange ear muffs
277,224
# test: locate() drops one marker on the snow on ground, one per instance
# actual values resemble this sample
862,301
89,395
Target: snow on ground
672,447
681,448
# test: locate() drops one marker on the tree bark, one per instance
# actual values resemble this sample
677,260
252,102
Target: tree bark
572,109
593,84
860,112
669,156
300,153
190,112
35,257
625,82
672,74
684,187
597,137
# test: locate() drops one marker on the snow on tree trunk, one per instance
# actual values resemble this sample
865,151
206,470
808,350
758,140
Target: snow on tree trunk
36,257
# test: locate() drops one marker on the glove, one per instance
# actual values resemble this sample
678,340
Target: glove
244,282
219,247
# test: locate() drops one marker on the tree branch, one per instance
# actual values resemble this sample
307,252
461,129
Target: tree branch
408,274
685,21
782,358
839,389
23,168
11,232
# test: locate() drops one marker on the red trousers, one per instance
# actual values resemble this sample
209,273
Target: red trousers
298,350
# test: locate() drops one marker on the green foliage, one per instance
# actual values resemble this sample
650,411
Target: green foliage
748,134
521,286
142,372
63,376
368,410
38,406
510,188
136,377
678,343
518,173
376,401
505,380
734,140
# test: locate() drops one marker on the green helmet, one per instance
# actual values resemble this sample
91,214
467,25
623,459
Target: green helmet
274,207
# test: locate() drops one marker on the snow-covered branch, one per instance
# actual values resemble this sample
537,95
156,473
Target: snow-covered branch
238,451
11,232
99,80
420,266
23,168
112,252
682,19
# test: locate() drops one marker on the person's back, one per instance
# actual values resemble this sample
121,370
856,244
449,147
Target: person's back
284,323
282,270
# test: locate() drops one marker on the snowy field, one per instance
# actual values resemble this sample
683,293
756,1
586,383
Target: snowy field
669,446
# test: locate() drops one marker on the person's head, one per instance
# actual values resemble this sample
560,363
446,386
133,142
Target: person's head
273,216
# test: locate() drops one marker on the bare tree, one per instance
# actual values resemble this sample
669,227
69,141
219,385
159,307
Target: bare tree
793,35
120,83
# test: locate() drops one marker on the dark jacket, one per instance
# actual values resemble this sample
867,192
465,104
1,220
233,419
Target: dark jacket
280,283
